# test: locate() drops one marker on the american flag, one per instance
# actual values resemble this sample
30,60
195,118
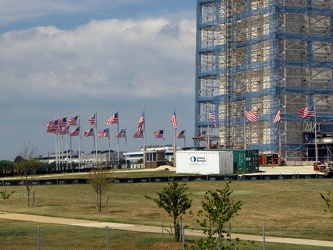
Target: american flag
277,117
174,120
89,132
181,134
306,112
251,116
159,133
62,121
75,132
141,121
52,126
104,133
92,121
72,121
64,130
212,117
113,119
138,134
121,133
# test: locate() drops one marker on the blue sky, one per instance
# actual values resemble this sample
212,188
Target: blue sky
60,58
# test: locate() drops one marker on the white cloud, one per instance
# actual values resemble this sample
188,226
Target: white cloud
133,56
44,69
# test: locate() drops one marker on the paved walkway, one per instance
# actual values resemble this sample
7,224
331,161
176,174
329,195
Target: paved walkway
154,229
288,170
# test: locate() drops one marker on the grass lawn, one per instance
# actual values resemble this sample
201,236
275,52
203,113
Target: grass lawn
284,207
15,235
273,203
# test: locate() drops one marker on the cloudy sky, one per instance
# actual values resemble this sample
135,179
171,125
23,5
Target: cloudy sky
63,58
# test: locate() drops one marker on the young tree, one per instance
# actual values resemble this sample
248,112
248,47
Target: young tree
5,195
27,165
27,169
101,182
175,201
218,207
328,198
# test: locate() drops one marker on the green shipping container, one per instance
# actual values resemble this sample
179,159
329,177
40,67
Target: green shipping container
245,161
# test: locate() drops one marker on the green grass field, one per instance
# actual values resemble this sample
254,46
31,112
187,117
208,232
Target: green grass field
270,203
295,204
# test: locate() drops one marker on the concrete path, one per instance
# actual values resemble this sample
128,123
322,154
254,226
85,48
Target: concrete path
154,229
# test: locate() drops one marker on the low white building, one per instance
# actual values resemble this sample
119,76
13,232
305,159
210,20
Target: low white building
155,156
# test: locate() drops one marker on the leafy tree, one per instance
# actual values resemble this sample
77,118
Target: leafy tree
218,208
328,198
7,166
175,201
101,182
5,195
139,161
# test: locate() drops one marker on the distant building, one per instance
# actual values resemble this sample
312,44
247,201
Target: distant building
155,156
86,160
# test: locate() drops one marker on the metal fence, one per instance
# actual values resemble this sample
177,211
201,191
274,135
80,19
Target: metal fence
123,236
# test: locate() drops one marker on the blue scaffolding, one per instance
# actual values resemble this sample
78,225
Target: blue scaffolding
264,57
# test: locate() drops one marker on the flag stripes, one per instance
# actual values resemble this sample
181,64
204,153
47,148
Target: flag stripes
307,111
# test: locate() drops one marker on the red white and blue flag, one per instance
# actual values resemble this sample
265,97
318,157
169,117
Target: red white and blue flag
104,133
52,127
138,134
307,111
121,133
251,116
113,119
64,130
181,134
277,117
75,132
62,122
159,133
212,117
174,120
92,121
73,121
141,122
89,132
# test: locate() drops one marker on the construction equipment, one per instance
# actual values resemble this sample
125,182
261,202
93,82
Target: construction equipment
324,167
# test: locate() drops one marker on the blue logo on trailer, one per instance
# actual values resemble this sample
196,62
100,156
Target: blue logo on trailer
193,159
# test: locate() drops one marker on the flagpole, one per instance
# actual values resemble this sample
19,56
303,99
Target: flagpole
144,137
70,148
80,140
109,158
96,139
244,128
315,118
174,149
67,134
208,145
109,145
163,138
118,136
56,148
280,143
126,146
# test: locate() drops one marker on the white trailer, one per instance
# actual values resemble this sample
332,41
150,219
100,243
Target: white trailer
204,162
